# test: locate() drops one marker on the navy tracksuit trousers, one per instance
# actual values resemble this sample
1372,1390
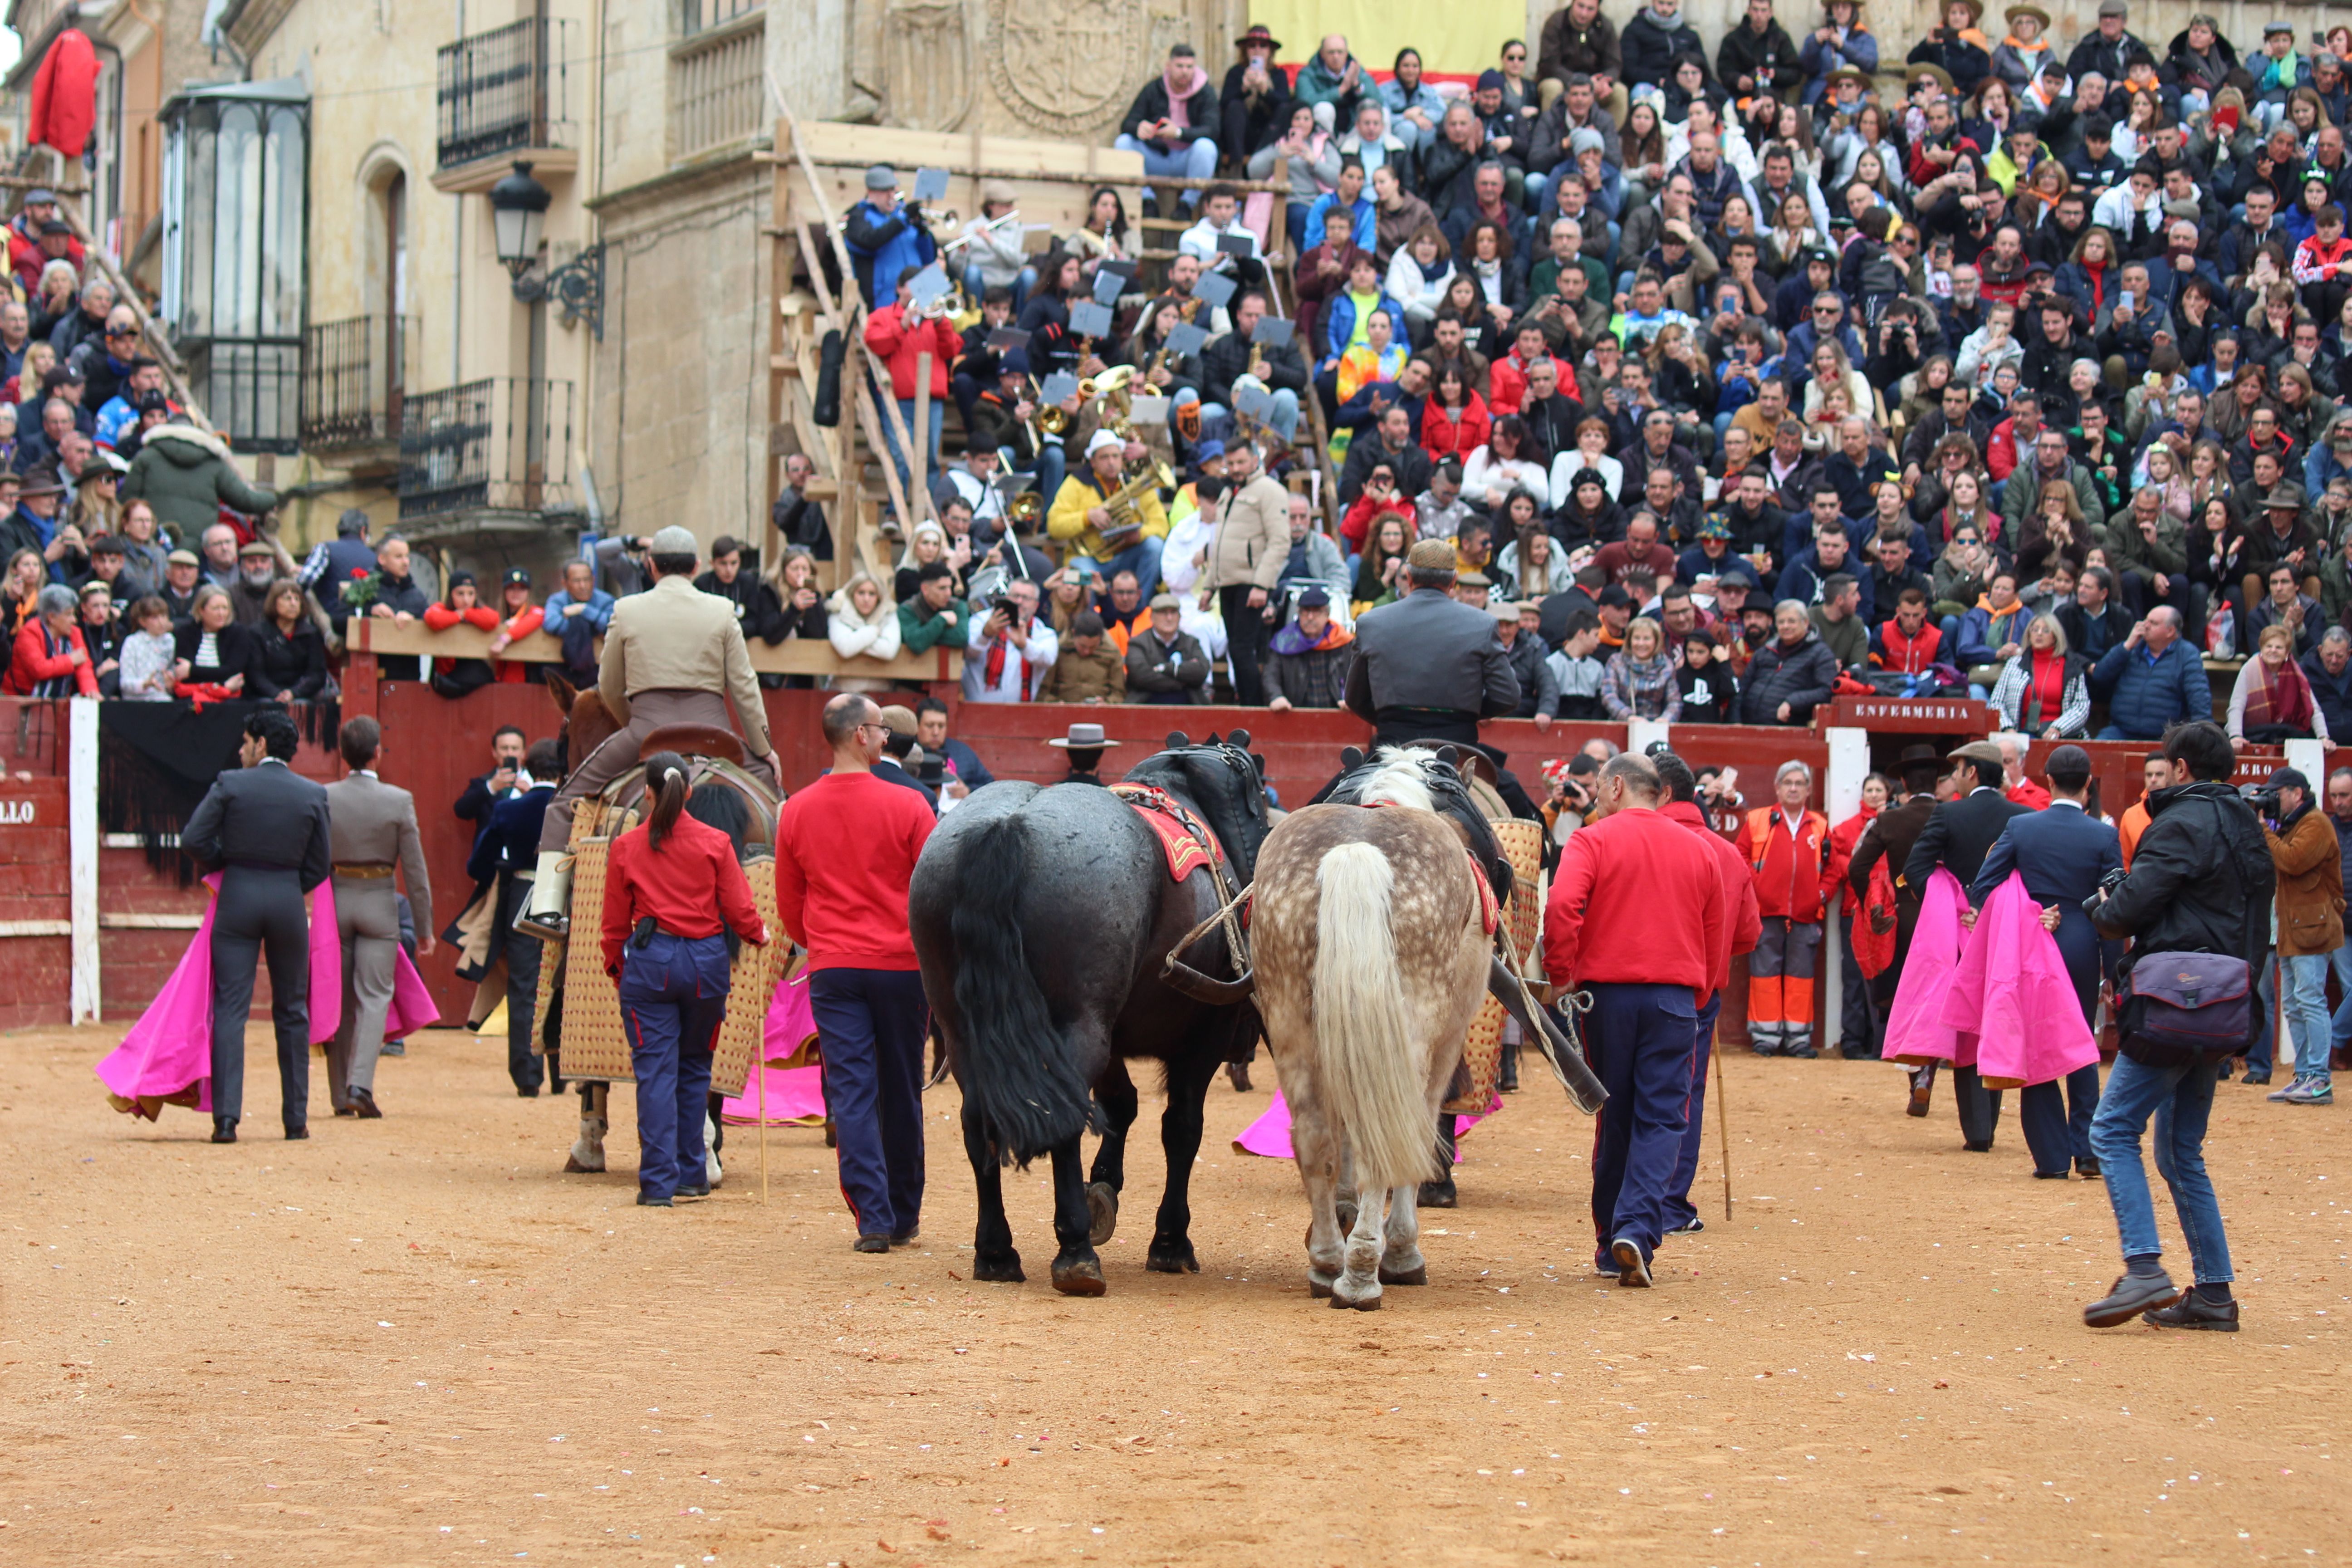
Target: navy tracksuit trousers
1642,1039
870,1025
673,999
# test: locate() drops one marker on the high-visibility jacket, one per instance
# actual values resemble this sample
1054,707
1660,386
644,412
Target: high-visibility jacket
1793,870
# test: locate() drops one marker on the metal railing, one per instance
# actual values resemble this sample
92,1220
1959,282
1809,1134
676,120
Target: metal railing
352,377
498,444
252,390
505,90
700,16
717,95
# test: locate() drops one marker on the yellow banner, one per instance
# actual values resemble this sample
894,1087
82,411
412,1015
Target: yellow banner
1458,39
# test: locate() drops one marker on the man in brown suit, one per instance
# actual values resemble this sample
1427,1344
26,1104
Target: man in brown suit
372,830
1252,546
673,655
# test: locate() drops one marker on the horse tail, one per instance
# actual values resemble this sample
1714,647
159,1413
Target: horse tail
1023,1079
1364,1027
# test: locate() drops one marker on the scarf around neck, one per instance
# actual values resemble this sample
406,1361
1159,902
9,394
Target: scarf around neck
1179,114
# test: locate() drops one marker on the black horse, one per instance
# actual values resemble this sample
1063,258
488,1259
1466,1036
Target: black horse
1044,920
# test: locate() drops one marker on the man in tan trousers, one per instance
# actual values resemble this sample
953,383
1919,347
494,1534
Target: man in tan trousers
673,655
372,831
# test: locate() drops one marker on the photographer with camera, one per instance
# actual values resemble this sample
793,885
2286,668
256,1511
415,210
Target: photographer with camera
2194,906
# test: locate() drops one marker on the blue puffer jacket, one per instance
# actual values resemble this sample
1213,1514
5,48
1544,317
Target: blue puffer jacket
2146,693
1339,322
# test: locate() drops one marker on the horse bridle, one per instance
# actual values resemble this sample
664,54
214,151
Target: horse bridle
1230,899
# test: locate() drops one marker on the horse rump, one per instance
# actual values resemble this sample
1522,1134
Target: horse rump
1365,1039
1020,1074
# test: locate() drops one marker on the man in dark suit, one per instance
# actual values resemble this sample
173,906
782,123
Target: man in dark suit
265,830
1957,837
1890,836
505,855
484,790
2063,851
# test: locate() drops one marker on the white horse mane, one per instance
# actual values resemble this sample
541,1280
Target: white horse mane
1403,779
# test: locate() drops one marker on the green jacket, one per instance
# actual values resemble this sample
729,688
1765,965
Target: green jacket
922,628
186,476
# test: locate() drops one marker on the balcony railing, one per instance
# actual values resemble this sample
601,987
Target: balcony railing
252,388
717,93
500,445
504,92
352,377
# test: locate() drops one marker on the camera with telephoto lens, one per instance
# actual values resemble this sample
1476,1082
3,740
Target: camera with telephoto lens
2107,885
2262,797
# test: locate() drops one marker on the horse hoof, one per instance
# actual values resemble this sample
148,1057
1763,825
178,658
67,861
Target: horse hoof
1437,1196
1005,1270
1419,1276
1318,1285
1083,1277
1102,1202
574,1166
1367,1304
1170,1261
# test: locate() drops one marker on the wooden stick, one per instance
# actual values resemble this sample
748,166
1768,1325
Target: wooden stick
1722,1130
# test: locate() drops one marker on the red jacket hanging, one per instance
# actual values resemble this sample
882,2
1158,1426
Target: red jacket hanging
65,94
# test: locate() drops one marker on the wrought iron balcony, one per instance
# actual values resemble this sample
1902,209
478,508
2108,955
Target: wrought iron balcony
353,380
252,390
498,446
505,91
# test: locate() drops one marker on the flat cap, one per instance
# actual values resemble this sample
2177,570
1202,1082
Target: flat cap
1430,555
1976,751
674,541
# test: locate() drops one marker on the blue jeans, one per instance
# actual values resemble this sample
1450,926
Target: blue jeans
930,447
2306,1011
1143,558
2264,1050
1053,467
870,1025
2181,1101
673,999
2340,1027
1193,161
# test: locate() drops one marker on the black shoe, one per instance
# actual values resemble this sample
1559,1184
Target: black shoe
691,1190
364,1105
2257,1077
2087,1169
1983,1148
2049,1175
1237,1074
347,1110
1858,1053
905,1237
871,1244
647,1201
223,1129
297,1134
2132,1295
1633,1269
1802,1053
2194,1312
527,1094
1690,1226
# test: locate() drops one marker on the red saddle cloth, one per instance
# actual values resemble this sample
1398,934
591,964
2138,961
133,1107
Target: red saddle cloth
1159,811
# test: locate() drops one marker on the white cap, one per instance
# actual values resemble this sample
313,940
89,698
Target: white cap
1101,439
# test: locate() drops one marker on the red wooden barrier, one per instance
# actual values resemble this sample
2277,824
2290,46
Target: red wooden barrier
35,897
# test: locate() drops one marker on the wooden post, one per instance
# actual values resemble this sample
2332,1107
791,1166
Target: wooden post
919,454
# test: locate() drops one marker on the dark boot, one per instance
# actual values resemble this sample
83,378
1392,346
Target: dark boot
1440,1193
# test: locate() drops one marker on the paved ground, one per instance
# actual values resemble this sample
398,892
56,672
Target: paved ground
414,1340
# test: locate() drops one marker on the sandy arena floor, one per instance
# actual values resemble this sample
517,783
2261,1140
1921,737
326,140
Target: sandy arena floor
416,1342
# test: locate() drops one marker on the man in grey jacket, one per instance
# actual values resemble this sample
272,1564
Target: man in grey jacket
1427,668
374,833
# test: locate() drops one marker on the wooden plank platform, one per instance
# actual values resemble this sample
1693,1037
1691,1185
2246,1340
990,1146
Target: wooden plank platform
798,657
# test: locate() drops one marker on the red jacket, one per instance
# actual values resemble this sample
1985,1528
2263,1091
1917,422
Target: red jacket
32,662
1507,384
518,625
1617,878
888,334
1911,655
1744,926
2000,449
1442,432
846,851
692,885
1794,871
2029,795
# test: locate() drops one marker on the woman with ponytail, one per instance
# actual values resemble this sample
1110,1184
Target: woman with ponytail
672,889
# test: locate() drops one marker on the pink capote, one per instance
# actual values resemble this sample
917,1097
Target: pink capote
2012,991
1269,1135
795,1095
1915,1031
167,1056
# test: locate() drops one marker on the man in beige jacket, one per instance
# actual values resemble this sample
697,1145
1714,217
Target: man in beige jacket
372,830
1245,561
673,655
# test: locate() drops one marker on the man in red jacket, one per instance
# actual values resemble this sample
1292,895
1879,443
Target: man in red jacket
902,335
845,850
1637,917
1741,928
1787,847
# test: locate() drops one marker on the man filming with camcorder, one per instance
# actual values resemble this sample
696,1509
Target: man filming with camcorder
2195,906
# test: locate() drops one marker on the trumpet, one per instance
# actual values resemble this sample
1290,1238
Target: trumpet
1051,418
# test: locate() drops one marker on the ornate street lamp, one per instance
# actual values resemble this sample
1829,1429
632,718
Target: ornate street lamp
518,214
